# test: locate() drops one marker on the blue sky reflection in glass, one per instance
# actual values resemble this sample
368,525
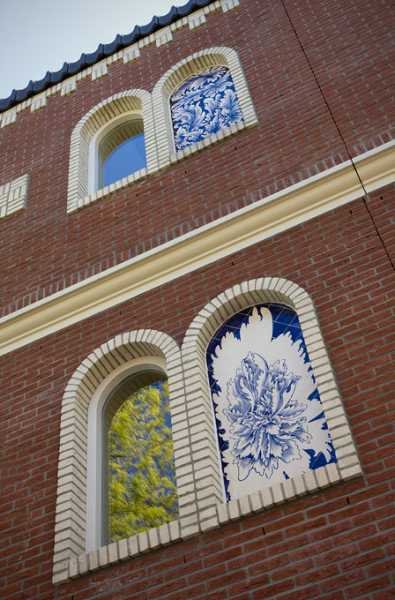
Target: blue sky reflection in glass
204,105
270,420
127,158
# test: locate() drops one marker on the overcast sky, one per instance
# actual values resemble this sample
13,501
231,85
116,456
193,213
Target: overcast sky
40,35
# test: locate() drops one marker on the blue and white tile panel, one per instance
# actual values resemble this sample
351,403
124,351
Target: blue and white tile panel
336,441
204,105
270,421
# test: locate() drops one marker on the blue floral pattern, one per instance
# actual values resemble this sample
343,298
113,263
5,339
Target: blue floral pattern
203,106
266,419
270,421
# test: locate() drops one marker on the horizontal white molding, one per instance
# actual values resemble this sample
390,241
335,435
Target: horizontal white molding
243,228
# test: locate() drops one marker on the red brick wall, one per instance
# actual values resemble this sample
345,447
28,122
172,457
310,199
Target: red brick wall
336,544
349,47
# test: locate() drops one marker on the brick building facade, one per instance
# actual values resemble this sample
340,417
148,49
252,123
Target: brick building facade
298,200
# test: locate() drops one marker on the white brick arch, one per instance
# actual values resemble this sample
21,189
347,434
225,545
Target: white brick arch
204,450
202,504
135,104
90,385
185,69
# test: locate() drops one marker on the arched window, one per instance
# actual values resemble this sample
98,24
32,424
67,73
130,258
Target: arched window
130,459
139,472
200,99
271,424
119,454
120,151
114,143
204,105
256,419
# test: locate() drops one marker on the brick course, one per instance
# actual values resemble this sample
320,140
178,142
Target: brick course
349,46
338,543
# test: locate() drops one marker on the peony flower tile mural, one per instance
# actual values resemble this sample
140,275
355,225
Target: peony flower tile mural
203,106
270,422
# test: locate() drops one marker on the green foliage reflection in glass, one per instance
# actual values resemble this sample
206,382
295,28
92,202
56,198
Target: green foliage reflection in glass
142,490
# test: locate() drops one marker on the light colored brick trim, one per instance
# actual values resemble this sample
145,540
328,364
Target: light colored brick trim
38,102
130,102
69,85
99,70
156,117
196,18
211,139
163,36
307,483
207,468
198,470
238,230
175,76
229,4
131,53
13,195
8,117
70,556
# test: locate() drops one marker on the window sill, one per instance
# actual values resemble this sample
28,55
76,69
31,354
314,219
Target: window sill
174,158
109,189
211,139
210,518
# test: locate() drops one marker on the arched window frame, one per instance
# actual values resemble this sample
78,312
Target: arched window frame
90,130
154,111
200,487
212,508
177,75
77,545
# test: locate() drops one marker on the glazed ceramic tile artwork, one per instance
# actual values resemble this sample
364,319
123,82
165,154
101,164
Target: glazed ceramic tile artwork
270,421
204,105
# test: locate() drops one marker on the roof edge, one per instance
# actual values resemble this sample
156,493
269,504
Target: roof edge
102,51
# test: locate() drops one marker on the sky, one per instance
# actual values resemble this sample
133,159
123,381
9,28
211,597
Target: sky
40,35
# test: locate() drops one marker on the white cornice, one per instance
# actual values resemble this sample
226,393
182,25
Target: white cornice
241,229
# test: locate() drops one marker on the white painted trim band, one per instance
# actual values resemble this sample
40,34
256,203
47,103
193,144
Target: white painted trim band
243,228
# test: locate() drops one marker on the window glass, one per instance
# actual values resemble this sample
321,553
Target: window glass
127,158
141,474
270,421
204,105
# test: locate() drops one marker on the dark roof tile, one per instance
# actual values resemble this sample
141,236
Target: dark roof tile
103,50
